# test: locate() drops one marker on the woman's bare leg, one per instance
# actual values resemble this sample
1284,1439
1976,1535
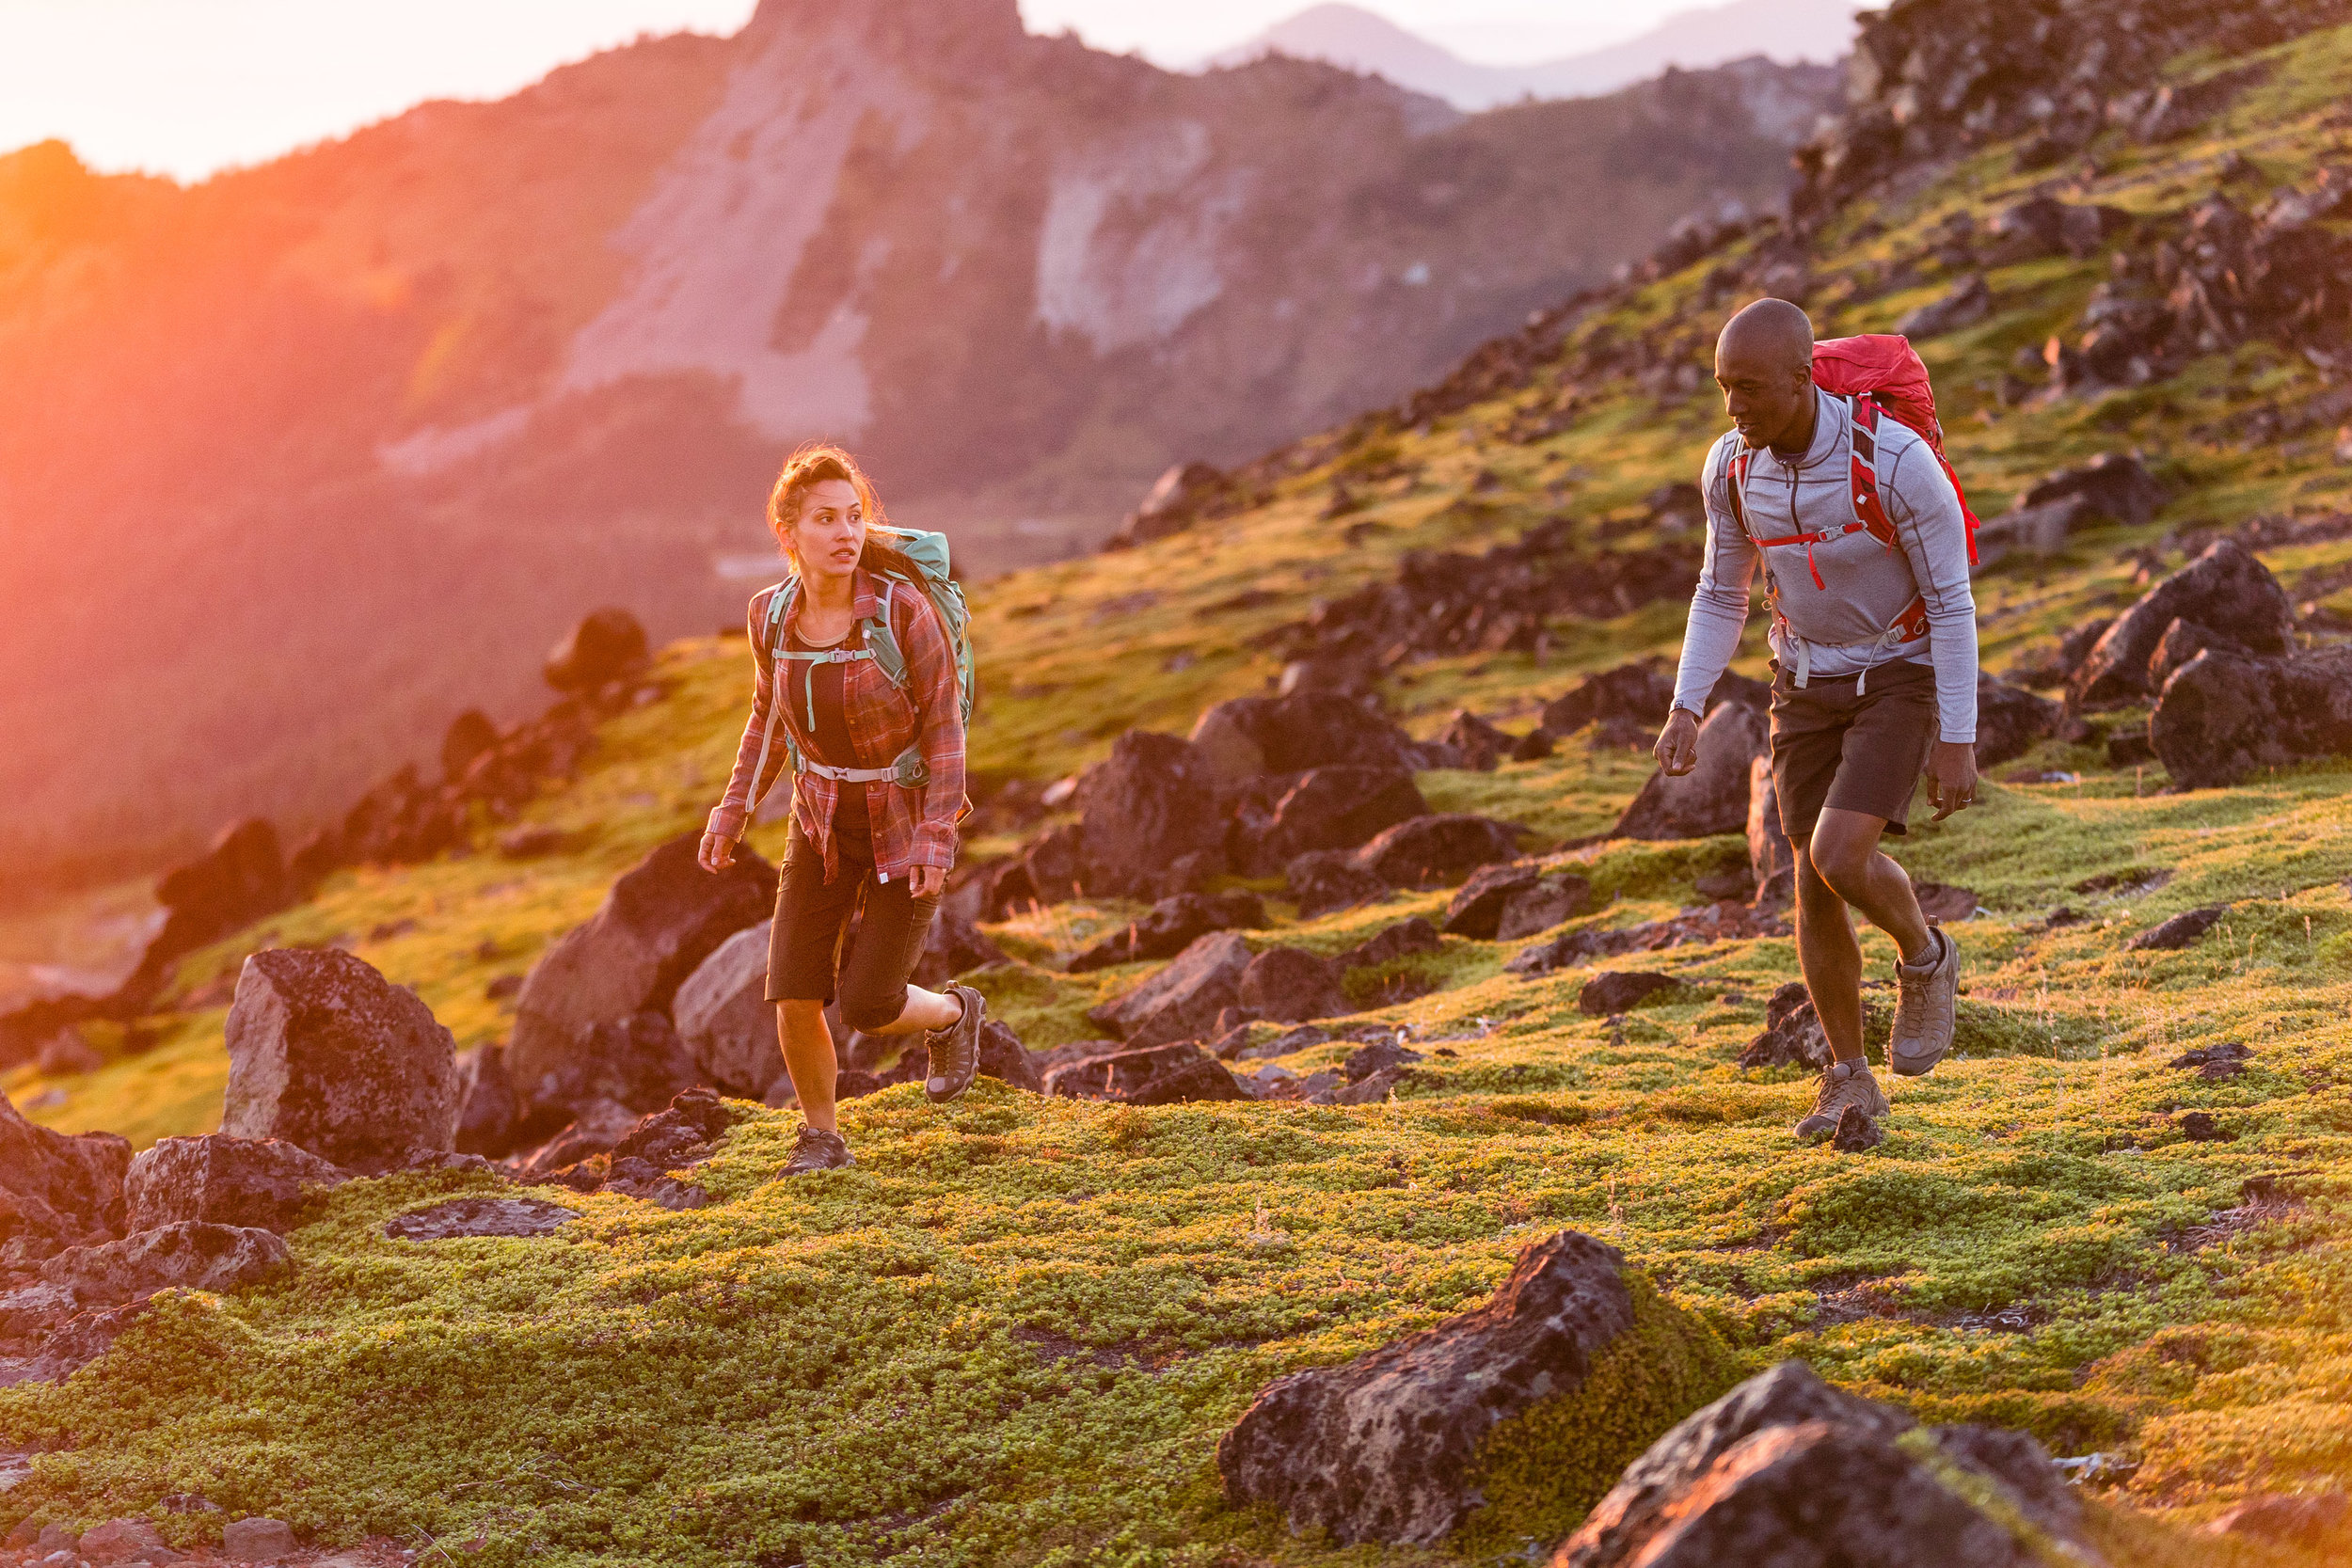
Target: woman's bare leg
808,1057
925,1009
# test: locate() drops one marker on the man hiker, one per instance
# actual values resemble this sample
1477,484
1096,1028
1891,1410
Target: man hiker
1874,671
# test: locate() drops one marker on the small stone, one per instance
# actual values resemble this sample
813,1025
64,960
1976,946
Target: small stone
256,1541
56,1538
1856,1132
119,1541
2180,931
2198,1127
1617,992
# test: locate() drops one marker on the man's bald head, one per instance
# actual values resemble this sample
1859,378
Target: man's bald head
1769,332
1764,364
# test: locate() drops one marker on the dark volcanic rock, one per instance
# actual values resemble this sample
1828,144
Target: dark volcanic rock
1481,746
1429,848
1390,943
2182,930
1288,984
1150,802
724,1019
1004,1058
479,1216
1785,1470
256,1184
325,1053
1539,908
1308,728
638,1061
1184,495
1476,909
1641,690
1282,816
1182,1001
1792,1033
607,644
1969,302
2221,716
191,1254
2010,720
1621,991
57,1190
1856,1132
1327,880
490,1112
1712,798
662,918
1169,1075
1382,1447
2113,482
1169,926
468,736
1723,922
2224,588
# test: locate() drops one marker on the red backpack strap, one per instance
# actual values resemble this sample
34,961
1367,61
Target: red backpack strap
1862,462
1737,471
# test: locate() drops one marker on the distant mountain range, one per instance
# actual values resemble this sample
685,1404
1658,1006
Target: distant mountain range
297,462
1349,37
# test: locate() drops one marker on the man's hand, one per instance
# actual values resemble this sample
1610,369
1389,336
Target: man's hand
925,881
716,853
1951,777
1677,748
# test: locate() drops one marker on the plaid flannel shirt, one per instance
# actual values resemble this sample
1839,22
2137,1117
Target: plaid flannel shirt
911,827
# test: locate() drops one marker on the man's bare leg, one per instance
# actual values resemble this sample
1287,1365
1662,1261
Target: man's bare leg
1842,868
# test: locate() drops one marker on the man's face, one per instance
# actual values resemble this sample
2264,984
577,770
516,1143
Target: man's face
1764,392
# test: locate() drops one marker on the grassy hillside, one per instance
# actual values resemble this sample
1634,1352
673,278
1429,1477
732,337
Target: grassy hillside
1013,1333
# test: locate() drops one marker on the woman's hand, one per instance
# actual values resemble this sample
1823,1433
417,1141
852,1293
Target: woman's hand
716,853
925,881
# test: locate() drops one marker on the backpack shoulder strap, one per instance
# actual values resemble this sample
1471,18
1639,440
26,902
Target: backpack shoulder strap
1862,461
883,640
780,603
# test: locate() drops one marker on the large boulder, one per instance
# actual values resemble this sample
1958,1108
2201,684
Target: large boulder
491,1114
2226,589
255,1184
1004,1058
1550,901
1641,691
663,917
1289,985
1321,881
1323,808
2220,716
57,1190
186,1253
1772,860
1151,803
240,879
326,1052
1173,1073
607,644
1476,908
2010,720
1481,745
1711,799
468,736
1181,497
638,1061
1182,1001
1786,1471
955,946
726,1020
2113,482
1395,1446
1433,848
1169,926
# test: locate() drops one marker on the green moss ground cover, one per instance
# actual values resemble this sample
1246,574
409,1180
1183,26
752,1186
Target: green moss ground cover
1013,1333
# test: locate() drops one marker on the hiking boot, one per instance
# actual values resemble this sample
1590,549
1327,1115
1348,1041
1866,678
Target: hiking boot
1843,1084
817,1149
955,1051
1925,1000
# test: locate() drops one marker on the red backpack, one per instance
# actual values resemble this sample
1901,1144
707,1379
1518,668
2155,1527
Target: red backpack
1878,373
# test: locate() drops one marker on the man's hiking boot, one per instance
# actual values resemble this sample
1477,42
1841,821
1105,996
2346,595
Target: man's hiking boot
817,1149
1843,1084
1925,998
955,1051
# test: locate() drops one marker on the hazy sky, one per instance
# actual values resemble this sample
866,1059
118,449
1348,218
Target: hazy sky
185,87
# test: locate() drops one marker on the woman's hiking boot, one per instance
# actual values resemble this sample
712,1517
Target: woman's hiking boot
817,1149
1843,1084
955,1051
1926,998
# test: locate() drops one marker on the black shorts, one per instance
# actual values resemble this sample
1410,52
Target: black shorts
806,960
1865,753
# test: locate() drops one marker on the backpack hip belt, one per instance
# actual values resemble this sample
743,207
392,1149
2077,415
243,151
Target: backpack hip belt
1869,516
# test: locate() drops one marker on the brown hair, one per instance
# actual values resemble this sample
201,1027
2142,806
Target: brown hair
812,465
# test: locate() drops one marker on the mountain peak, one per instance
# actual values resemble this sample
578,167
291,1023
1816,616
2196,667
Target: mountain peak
899,22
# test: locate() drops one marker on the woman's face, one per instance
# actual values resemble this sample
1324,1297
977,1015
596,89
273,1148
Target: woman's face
830,533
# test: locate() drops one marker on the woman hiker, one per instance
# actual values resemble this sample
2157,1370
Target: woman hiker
860,838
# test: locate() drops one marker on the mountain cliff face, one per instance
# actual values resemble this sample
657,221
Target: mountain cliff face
298,462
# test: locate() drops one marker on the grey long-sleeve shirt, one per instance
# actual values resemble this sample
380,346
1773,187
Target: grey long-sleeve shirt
1867,584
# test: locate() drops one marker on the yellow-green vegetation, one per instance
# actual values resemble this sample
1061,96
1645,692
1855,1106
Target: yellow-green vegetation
1013,1332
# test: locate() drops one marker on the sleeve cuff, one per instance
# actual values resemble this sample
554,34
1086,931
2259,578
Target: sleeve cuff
726,823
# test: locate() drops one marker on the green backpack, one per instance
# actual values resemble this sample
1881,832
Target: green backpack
929,554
